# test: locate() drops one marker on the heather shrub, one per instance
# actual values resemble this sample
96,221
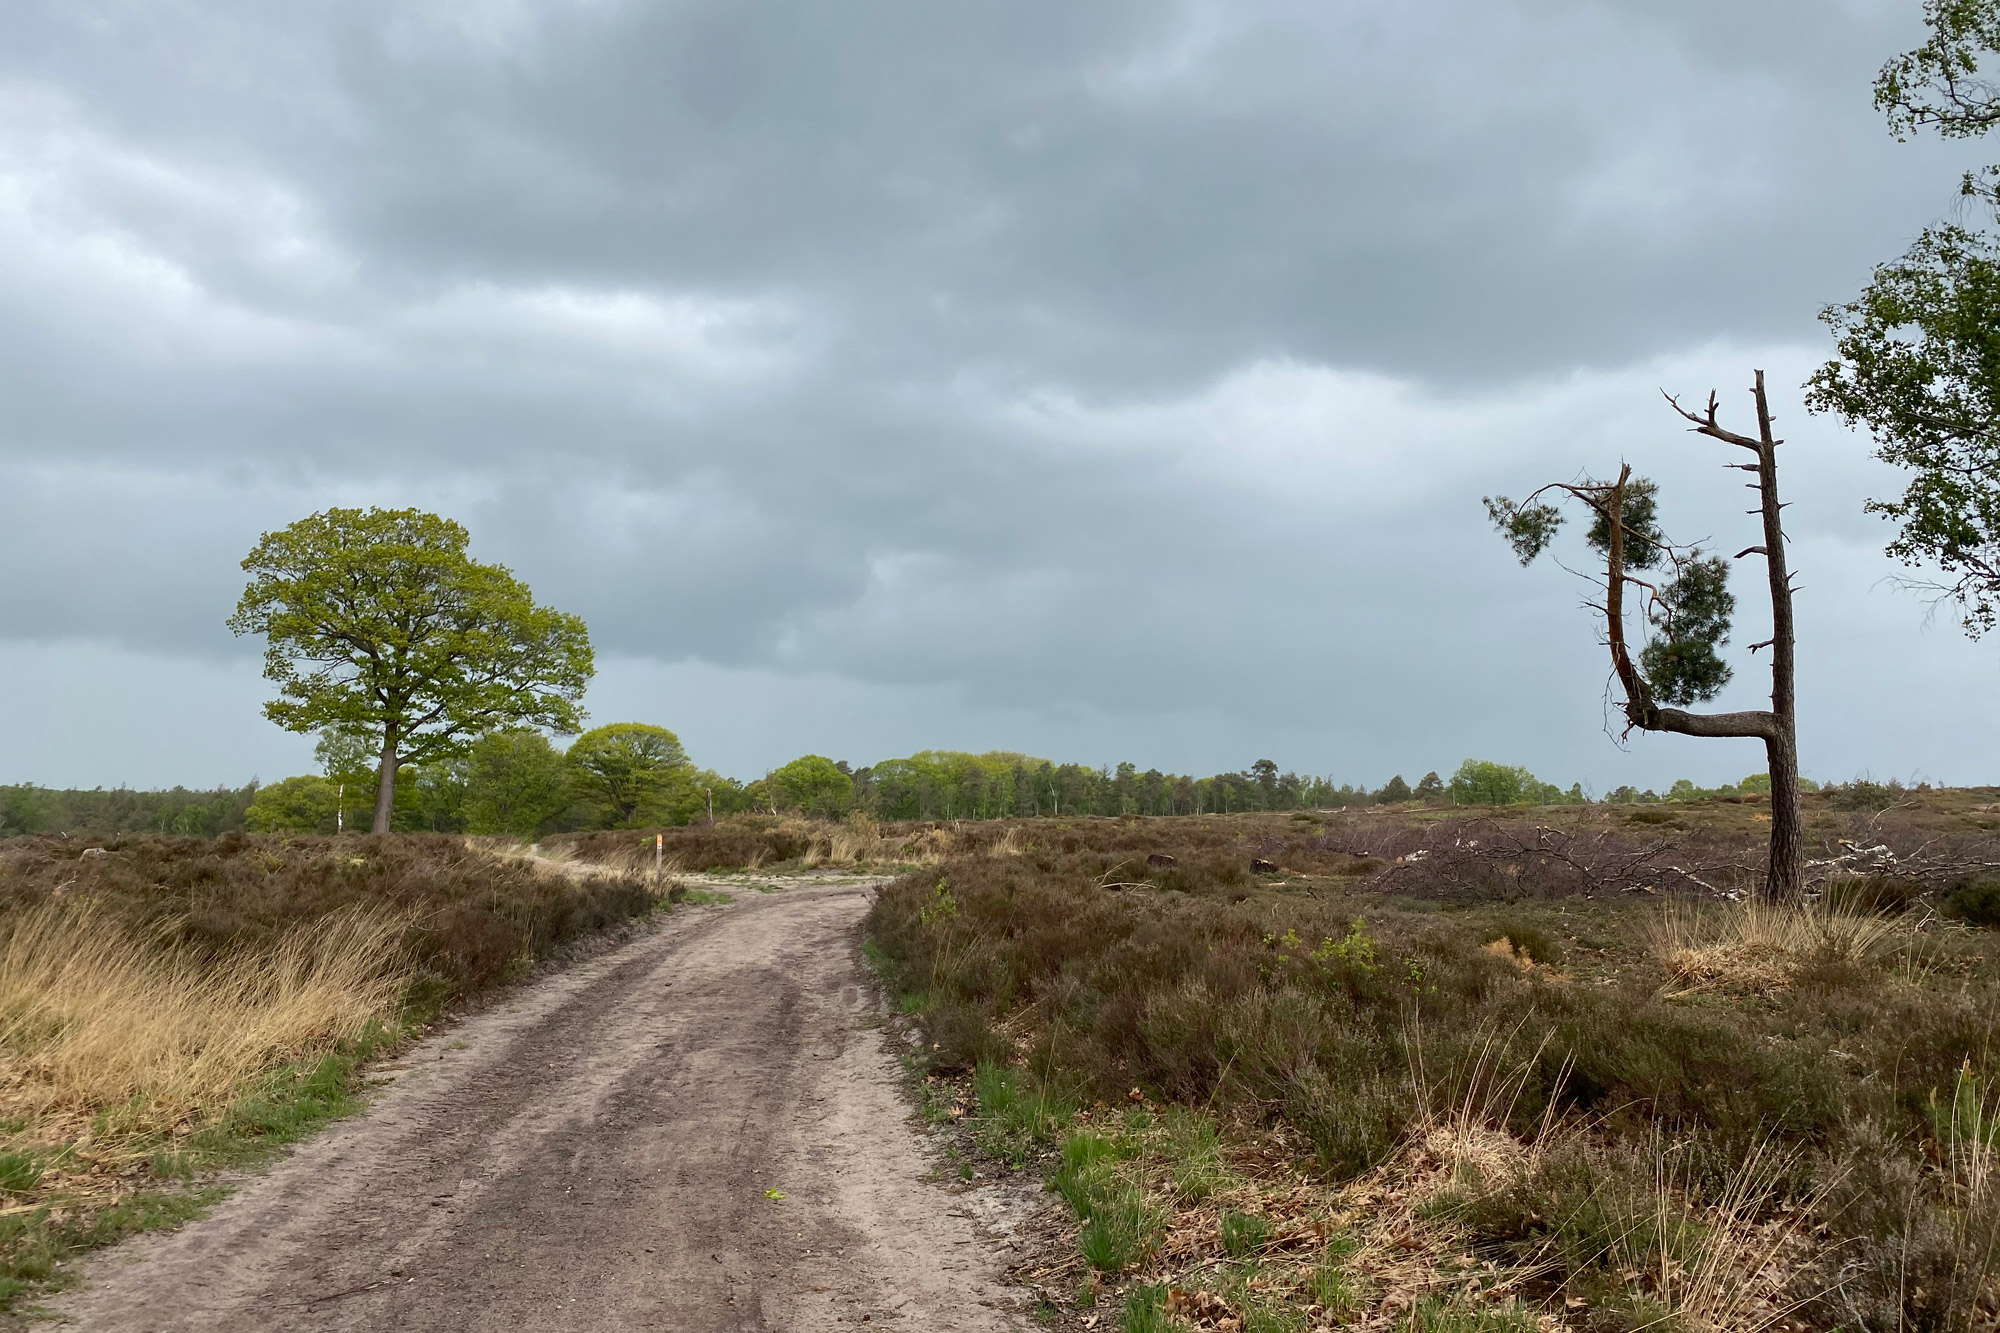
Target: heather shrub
473,916
1865,794
1976,903
1680,1084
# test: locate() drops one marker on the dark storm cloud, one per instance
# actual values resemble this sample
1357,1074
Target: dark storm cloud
1077,359
1117,192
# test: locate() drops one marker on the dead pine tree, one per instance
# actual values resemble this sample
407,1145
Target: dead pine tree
1686,604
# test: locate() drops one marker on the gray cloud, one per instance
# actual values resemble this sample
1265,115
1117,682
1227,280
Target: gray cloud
1120,375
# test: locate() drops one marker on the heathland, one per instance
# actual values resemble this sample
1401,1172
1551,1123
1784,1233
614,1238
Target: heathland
1408,1067
1537,1068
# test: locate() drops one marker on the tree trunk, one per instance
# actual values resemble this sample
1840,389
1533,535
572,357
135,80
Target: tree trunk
1784,877
385,787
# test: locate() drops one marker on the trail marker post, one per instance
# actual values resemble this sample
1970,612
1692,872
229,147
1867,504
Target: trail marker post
659,854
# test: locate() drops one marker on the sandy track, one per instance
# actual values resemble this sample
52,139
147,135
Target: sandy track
595,1154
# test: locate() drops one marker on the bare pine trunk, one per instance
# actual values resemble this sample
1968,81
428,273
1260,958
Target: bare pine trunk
1784,877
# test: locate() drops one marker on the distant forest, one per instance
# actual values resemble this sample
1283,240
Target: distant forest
482,794
32,809
941,784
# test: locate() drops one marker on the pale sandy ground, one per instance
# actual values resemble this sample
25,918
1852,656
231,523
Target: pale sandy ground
595,1152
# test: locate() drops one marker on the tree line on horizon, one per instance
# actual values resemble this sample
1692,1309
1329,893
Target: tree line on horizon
633,775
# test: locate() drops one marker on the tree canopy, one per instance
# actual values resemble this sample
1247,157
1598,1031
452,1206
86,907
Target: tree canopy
515,782
1917,354
1688,613
629,769
1918,365
1938,85
377,623
812,783
1482,782
295,805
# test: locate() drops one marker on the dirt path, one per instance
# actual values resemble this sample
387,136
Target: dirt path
596,1154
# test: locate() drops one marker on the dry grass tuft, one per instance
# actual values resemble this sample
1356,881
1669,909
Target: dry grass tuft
1969,1133
1405,1247
1406,1236
1756,946
1014,842
621,863
1739,1276
860,841
95,1015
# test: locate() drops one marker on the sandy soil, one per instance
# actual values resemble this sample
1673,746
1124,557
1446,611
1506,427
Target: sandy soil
599,1152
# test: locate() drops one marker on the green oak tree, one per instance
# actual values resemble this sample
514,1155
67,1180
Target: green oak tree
515,782
25,809
1483,782
295,805
434,802
701,794
1938,86
812,783
1918,366
1917,358
377,623
629,771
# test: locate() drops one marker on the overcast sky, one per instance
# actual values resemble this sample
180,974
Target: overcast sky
1104,380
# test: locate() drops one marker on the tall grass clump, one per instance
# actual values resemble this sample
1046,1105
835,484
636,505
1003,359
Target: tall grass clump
1927,1254
1018,1116
1757,944
475,916
95,1014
